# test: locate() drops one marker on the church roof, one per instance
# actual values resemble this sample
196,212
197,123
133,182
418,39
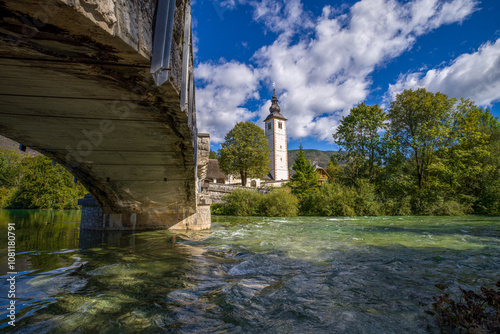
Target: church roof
214,171
274,110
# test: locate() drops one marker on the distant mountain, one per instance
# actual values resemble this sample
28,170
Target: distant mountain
315,156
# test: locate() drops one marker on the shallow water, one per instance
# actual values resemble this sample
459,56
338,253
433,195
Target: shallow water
245,275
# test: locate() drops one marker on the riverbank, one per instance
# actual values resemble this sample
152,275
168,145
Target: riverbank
248,274
332,200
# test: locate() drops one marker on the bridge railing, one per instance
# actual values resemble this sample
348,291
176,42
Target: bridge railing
162,41
160,61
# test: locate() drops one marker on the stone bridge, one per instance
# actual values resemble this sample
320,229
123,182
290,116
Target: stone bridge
106,89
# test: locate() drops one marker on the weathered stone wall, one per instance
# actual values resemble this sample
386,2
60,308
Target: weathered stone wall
130,20
216,196
203,154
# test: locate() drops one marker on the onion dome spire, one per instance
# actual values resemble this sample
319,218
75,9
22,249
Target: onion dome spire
274,110
274,105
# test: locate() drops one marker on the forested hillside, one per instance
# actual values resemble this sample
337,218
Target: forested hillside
315,156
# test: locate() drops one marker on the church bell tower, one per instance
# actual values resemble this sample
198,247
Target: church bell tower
275,127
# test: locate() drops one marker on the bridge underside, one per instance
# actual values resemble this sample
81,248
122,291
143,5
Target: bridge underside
86,99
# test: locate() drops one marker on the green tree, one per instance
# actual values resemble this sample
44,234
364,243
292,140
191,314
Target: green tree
10,174
419,127
489,177
467,155
333,169
10,171
45,186
213,155
358,134
305,178
245,152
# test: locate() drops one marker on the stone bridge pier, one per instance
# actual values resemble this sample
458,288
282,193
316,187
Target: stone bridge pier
106,89
94,218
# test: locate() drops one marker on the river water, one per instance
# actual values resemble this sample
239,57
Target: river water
245,275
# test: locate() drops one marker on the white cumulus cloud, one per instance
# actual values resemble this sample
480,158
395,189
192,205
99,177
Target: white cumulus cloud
322,65
475,76
227,86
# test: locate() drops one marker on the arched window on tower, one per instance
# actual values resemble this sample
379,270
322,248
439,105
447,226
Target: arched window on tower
280,125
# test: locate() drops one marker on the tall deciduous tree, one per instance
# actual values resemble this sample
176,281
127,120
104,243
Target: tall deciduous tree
358,134
474,163
305,178
468,153
245,152
419,126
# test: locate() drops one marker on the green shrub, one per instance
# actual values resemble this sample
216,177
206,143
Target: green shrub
217,209
336,199
330,200
242,202
448,208
397,207
366,201
280,202
433,203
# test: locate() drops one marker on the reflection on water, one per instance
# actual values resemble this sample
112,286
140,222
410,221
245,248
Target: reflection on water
305,274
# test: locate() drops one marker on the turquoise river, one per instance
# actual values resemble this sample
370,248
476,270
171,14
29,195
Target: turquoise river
245,275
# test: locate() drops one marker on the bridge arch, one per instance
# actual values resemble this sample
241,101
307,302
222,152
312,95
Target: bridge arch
76,85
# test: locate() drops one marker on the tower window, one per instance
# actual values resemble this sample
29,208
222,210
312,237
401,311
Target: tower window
280,125
269,126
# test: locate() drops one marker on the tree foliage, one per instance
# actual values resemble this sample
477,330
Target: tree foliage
212,155
337,199
305,178
35,183
10,171
419,126
333,169
280,202
242,202
248,202
245,152
440,156
358,134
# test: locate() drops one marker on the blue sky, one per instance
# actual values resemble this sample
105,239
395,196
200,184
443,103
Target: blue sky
328,56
